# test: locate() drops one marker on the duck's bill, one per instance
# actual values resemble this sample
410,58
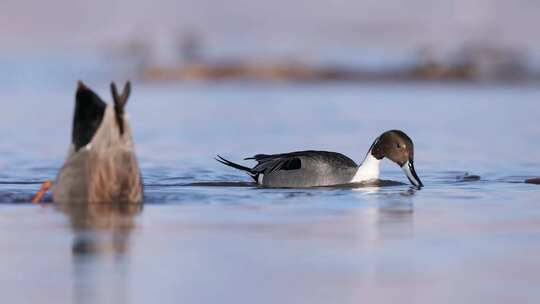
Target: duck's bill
408,168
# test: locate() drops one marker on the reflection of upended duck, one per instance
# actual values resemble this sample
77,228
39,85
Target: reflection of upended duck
101,166
87,218
321,168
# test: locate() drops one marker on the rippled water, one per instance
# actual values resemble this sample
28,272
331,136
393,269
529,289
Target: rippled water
207,235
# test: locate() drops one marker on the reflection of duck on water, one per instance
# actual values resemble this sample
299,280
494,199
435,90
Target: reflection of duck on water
92,221
101,165
100,250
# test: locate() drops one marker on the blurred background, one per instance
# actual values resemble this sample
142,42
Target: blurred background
284,40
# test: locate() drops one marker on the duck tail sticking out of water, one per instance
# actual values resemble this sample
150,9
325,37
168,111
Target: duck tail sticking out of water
229,163
101,166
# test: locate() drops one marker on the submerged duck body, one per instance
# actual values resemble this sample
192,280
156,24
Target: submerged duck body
101,166
322,168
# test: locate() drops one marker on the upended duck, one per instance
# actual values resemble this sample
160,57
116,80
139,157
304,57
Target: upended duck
321,168
101,166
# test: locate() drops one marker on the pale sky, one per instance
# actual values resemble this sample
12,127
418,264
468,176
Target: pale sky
402,23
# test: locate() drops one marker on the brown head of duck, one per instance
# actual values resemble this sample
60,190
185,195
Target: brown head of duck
101,166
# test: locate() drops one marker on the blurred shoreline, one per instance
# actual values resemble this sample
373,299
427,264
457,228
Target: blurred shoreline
187,59
191,60
294,72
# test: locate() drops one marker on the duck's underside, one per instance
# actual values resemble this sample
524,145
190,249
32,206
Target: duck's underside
108,176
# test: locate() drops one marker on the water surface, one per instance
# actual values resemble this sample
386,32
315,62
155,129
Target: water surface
206,235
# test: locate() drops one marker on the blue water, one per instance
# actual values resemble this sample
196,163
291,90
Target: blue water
206,235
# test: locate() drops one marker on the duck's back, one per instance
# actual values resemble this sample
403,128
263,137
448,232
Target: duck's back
305,169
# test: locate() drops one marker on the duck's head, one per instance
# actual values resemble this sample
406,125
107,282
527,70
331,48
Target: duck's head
97,124
397,147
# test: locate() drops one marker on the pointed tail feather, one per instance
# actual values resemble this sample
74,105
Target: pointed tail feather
226,162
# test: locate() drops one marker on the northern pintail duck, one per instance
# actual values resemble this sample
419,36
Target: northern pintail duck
101,166
322,168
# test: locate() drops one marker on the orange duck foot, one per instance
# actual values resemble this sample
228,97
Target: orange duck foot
47,184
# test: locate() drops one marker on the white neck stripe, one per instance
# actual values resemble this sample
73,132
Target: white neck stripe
368,170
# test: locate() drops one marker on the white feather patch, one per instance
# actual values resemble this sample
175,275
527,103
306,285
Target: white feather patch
368,170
